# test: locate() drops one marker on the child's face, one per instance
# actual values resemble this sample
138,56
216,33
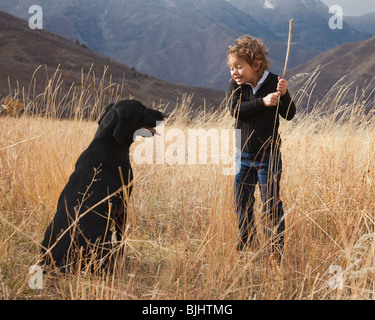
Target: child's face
241,71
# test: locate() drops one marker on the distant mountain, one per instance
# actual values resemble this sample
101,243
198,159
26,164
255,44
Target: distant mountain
185,41
24,50
364,23
182,41
311,19
348,64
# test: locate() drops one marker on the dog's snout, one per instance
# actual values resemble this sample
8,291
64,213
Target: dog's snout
158,115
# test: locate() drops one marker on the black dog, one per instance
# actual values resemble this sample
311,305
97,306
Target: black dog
94,199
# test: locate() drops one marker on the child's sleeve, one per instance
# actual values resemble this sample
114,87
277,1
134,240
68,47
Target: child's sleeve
242,109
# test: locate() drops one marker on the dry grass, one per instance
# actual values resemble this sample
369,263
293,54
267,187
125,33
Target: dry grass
181,238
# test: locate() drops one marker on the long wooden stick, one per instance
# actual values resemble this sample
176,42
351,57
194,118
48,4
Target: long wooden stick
289,43
285,67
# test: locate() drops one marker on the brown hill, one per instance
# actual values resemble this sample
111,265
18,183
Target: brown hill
181,41
24,50
348,64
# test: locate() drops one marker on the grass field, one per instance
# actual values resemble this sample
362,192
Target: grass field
181,238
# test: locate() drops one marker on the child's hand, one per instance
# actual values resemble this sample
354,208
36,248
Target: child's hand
271,100
282,86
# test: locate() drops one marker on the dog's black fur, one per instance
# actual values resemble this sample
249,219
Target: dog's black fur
82,222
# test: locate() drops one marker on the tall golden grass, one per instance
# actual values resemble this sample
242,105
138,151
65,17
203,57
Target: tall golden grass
182,232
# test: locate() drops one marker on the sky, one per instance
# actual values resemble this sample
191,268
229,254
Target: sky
353,7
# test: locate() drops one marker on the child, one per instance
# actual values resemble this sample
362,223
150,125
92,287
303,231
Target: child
257,99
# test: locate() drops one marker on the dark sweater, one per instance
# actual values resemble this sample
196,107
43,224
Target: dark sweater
254,119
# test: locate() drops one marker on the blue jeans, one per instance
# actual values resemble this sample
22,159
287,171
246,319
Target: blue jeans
266,171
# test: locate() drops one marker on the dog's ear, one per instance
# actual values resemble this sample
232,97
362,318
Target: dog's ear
121,130
107,109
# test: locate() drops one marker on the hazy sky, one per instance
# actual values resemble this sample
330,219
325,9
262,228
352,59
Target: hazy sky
353,7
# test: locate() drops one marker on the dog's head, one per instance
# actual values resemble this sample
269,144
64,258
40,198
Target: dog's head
126,117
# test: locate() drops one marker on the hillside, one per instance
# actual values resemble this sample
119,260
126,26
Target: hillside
181,41
350,63
364,23
310,22
24,50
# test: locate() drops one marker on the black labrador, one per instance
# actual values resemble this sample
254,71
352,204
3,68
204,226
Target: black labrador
94,200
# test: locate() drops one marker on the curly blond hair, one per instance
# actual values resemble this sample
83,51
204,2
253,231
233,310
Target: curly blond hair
253,51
